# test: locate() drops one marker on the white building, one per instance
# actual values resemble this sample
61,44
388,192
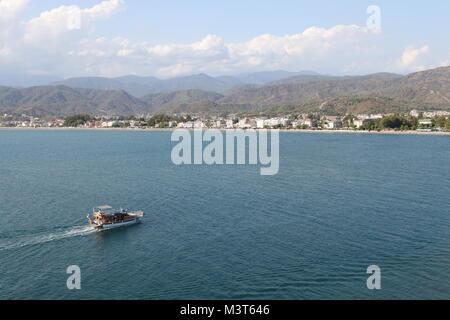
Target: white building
245,123
221,124
199,124
296,123
333,123
414,113
358,123
310,123
330,125
260,123
426,122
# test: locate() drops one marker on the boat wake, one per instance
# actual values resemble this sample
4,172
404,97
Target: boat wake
41,238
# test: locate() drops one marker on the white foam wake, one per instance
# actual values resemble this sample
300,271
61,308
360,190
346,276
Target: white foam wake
46,237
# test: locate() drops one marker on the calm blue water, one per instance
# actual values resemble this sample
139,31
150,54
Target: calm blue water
339,204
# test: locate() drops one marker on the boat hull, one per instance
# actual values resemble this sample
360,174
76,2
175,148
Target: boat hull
117,225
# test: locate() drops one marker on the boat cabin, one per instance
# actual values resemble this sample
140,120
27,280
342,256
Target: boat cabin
106,214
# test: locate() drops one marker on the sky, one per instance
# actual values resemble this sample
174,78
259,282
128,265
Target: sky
171,38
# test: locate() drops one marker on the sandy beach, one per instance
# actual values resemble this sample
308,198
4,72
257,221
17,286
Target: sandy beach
410,132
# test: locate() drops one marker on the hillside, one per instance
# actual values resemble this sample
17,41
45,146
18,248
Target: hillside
382,92
142,86
62,101
135,86
180,97
309,89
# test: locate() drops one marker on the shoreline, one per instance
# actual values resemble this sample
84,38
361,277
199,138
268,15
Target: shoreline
435,133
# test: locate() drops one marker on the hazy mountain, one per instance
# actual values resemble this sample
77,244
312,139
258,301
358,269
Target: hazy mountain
135,86
201,82
91,83
382,92
146,81
271,76
141,86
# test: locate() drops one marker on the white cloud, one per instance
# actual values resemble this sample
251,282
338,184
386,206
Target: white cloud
104,10
315,48
411,55
11,9
10,29
64,21
61,41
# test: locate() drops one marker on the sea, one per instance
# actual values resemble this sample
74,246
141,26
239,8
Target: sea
339,204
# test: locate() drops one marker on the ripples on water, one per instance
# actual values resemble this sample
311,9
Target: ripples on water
31,239
339,204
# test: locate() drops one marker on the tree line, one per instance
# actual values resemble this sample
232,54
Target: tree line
161,120
400,122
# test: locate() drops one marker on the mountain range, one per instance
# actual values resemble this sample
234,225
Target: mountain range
142,86
258,93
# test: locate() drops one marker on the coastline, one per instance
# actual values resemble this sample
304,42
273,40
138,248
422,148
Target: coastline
281,130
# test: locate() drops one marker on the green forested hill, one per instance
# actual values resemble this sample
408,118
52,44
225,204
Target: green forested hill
375,93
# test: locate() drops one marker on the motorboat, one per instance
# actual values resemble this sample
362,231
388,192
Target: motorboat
106,217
